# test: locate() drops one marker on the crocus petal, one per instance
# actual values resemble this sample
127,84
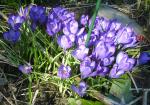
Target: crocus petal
144,58
11,36
81,52
64,72
81,89
64,42
26,69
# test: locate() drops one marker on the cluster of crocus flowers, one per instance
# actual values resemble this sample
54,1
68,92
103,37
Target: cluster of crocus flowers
13,34
105,54
32,13
36,15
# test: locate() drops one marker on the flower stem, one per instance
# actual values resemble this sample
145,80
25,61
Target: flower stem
98,3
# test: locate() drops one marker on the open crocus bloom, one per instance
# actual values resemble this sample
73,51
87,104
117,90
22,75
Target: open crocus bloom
15,21
26,69
64,72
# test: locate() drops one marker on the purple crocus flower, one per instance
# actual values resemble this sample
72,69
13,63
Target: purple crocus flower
86,67
101,24
23,12
26,69
115,25
63,14
123,64
115,72
126,36
73,36
71,27
103,50
64,42
108,61
93,40
33,26
64,72
53,27
104,25
59,18
81,89
15,21
109,37
38,14
81,52
11,36
80,40
84,19
144,58
100,71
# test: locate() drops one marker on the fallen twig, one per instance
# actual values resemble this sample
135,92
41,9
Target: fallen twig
6,98
35,95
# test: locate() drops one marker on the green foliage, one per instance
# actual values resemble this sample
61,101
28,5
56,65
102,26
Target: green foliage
45,56
145,3
72,101
121,88
98,4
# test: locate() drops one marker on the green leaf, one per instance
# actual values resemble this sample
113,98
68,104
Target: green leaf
98,4
121,89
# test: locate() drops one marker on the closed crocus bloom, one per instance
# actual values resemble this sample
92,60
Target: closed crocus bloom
71,27
108,61
110,37
69,16
26,68
93,40
63,14
126,36
53,27
38,14
64,72
115,25
105,25
87,67
115,72
81,89
101,24
84,19
15,21
73,35
11,36
81,52
103,50
144,58
59,18
33,26
64,42
80,40
124,62
100,71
